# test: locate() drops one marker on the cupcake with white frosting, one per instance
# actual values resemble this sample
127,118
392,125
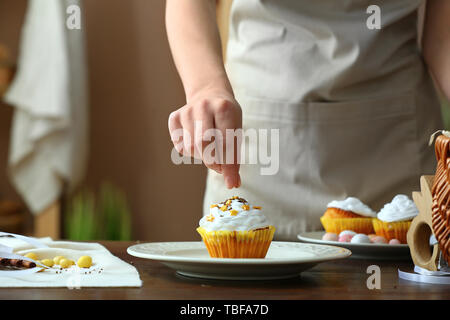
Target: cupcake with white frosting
348,214
236,229
394,219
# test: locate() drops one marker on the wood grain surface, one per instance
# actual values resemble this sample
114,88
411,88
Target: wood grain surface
345,279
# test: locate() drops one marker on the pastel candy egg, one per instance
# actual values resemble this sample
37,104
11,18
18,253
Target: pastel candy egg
345,232
48,262
57,259
360,238
345,238
371,236
394,241
31,255
65,263
84,262
329,236
379,239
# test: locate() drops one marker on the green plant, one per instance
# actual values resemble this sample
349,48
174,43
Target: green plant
107,218
114,214
80,220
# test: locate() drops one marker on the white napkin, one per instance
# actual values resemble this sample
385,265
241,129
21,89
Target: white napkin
49,131
107,270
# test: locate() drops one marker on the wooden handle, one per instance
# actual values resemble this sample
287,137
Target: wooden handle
419,232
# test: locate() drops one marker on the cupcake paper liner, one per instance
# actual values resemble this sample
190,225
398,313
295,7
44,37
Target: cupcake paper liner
392,230
237,244
337,225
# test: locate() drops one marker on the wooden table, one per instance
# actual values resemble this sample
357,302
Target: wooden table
344,279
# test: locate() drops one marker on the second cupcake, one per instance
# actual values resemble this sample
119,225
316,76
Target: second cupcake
348,214
394,219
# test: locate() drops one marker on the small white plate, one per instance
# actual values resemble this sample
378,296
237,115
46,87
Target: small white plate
283,260
362,250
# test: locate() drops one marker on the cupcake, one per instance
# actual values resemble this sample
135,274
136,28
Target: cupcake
394,219
348,214
235,229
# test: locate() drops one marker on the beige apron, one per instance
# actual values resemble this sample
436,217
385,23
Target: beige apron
354,107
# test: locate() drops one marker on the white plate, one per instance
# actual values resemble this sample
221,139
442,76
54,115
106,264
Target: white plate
283,260
362,250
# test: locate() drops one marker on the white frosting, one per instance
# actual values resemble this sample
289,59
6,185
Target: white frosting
354,205
401,208
243,220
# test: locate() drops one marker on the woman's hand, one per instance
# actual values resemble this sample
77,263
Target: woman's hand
205,120
196,48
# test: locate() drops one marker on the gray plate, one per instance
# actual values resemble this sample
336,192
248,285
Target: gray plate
362,250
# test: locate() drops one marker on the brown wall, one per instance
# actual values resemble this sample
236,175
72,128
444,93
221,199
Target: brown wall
133,87
11,18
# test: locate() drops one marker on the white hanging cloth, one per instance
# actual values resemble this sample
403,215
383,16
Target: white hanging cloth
48,140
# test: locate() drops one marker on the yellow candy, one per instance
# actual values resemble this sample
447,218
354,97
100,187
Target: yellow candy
48,262
233,212
85,262
43,269
57,259
31,255
71,262
64,263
